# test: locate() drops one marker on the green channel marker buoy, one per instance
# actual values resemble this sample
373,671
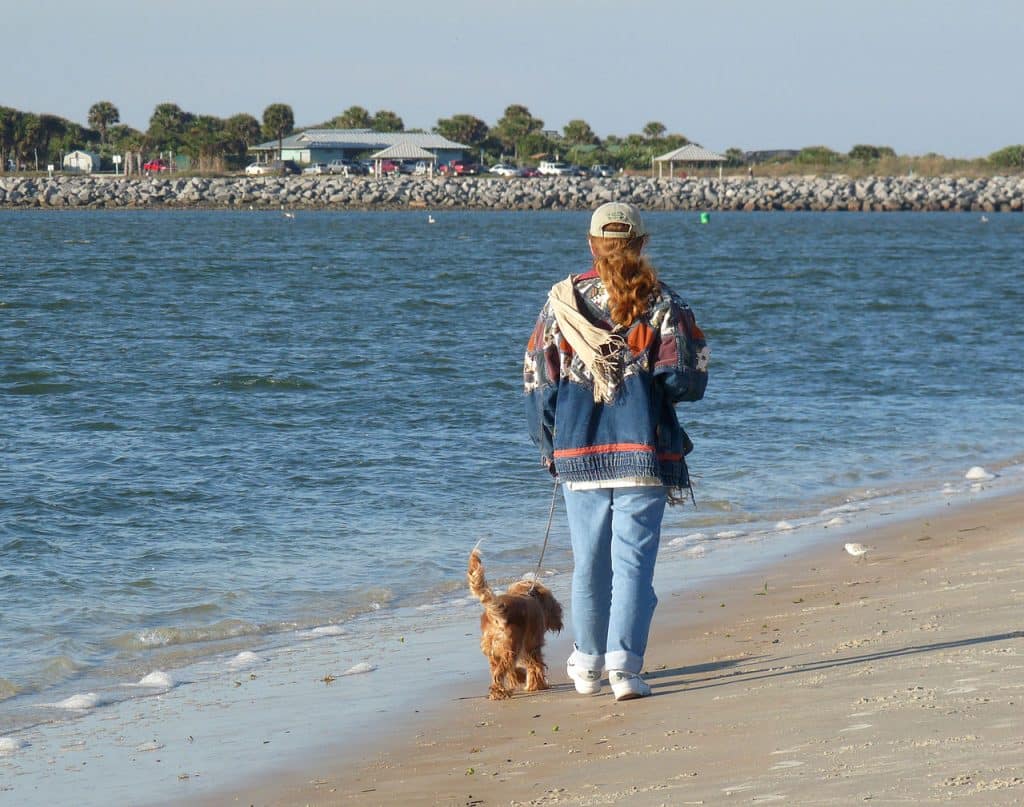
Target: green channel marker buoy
705,218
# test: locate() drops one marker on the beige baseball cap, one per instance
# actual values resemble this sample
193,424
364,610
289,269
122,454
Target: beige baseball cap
620,213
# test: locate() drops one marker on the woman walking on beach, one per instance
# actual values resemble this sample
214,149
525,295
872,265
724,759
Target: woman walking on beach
612,352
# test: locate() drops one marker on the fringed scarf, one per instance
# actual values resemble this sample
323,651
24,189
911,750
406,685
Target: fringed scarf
600,350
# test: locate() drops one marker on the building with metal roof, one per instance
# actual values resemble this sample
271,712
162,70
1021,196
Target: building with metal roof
690,153
324,145
404,151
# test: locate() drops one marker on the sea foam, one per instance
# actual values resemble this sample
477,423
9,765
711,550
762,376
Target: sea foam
11,745
321,631
360,668
81,701
244,659
159,679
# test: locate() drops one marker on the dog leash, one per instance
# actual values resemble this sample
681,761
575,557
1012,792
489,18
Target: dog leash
547,532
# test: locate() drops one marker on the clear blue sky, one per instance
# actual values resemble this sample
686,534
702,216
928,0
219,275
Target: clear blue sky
917,75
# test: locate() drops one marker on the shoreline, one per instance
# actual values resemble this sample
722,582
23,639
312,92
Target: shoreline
897,676
256,731
807,193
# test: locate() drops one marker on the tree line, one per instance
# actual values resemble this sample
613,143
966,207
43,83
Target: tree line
217,144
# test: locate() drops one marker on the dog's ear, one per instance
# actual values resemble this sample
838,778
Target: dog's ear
552,610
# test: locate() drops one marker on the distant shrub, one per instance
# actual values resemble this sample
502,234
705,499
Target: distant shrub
1009,157
817,155
865,152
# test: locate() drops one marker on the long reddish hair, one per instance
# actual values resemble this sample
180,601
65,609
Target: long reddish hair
627,275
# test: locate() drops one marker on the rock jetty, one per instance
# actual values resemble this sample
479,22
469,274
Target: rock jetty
838,193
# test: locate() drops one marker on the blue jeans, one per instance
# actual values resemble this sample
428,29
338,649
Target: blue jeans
615,534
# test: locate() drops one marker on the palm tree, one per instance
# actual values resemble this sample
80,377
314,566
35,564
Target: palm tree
578,132
278,121
28,134
101,115
467,129
384,120
654,130
8,122
167,127
208,139
515,125
355,117
52,126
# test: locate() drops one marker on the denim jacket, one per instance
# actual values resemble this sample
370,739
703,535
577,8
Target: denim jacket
663,361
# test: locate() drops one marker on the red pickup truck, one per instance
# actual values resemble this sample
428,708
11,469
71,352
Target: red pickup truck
460,167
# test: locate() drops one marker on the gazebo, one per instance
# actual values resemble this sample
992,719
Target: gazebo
691,153
403,151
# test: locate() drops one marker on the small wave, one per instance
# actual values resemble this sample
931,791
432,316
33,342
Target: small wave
99,426
60,667
977,473
23,376
39,389
166,637
264,383
838,521
80,702
323,630
783,525
151,745
29,547
850,507
690,538
58,305
8,689
726,534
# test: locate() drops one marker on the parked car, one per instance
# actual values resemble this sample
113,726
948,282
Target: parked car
274,167
315,168
346,167
461,168
386,167
554,168
529,171
156,165
601,170
422,167
504,170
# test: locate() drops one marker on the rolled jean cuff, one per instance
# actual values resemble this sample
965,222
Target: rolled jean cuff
623,660
585,661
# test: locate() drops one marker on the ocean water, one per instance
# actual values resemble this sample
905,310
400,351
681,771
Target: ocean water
220,428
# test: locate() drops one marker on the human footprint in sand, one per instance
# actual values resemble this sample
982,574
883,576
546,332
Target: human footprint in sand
614,349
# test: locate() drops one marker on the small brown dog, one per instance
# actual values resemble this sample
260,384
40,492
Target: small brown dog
512,629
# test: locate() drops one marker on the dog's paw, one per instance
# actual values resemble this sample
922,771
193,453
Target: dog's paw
499,694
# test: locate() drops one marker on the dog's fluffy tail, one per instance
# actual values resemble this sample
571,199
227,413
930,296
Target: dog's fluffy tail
479,587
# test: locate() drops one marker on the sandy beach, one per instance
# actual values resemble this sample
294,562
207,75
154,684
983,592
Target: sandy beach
823,679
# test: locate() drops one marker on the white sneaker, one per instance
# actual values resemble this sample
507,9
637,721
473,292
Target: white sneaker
588,682
627,686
